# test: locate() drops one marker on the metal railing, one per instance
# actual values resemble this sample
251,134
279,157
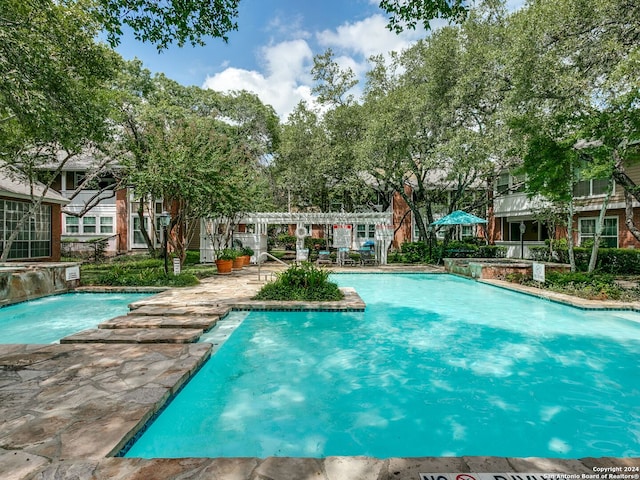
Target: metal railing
268,255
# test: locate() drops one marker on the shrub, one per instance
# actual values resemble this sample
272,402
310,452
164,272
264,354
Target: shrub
582,284
415,252
287,241
619,261
193,257
539,254
492,251
304,282
125,277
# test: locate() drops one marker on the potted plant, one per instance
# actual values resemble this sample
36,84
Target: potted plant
246,255
238,261
224,261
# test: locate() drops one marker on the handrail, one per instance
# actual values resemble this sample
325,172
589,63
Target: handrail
267,254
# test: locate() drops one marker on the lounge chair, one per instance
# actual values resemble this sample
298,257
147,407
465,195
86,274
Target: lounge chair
343,257
324,258
367,257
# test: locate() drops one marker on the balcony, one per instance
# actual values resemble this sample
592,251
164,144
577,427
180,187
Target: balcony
517,204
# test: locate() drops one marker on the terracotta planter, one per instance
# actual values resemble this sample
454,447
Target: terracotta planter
224,266
238,263
246,259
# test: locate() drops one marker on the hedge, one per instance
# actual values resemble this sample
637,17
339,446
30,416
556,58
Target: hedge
619,261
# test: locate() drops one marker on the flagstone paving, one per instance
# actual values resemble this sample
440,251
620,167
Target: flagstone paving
66,410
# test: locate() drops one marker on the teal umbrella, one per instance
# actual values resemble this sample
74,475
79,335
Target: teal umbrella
459,218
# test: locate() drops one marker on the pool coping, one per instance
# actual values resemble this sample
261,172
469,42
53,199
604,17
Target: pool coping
22,461
562,298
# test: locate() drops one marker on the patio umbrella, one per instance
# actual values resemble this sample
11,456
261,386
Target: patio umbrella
459,218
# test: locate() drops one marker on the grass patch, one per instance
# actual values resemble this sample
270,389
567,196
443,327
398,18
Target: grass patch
142,271
304,282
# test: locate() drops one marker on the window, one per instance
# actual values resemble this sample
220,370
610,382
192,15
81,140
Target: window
365,231
138,238
468,231
72,224
502,185
89,225
34,240
588,188
508,183
587,230
106,224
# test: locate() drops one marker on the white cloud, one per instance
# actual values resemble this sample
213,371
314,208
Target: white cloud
284,82
286,79
368,37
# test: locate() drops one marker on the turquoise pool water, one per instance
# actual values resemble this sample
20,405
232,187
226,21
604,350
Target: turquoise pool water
436,366
48,319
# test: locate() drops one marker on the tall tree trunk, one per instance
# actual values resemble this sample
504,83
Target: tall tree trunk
631,191
599,227
572,258
628,215
143,228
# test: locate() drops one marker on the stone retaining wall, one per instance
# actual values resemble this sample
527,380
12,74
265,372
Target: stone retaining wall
26,281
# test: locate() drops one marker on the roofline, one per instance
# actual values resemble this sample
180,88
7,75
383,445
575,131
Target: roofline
20,196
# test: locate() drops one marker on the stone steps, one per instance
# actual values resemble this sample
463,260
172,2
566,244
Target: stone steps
134,335
132,320
178,310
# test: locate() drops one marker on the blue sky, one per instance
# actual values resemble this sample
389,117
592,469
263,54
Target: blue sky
272,51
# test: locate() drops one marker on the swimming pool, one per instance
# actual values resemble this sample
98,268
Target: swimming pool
436,366
48,319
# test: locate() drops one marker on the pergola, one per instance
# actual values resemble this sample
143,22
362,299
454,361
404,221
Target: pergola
383,222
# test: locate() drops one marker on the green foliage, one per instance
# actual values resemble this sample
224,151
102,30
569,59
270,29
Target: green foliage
539,254
247,251
588,285
616,261
415,252
408,13
118,276
139,271
163,23
53,77
227,254
192,257
303,282
287,241
419,252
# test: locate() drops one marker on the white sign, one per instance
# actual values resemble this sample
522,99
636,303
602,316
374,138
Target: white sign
176,266
72,273
538,272
342,236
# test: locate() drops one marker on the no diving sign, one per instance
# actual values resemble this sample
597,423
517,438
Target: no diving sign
495,476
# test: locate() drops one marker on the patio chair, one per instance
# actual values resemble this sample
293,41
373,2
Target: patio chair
323,258
367,257
344,258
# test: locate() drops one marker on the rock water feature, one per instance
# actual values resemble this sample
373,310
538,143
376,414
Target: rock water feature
26,281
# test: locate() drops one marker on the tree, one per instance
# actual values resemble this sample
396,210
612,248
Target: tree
54,95
166,21
199,172
573,64
198,150
408,13
432,118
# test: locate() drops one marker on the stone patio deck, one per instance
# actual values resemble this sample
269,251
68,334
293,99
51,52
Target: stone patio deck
66,409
